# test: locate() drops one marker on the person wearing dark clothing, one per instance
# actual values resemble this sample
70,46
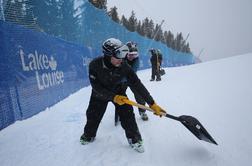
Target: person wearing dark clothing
156,61
106,74
132,59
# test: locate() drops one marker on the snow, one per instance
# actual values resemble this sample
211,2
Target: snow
218,93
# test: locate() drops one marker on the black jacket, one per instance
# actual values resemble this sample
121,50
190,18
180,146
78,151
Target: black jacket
108,81
156,57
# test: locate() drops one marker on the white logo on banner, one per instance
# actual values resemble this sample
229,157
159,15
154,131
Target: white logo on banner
40,62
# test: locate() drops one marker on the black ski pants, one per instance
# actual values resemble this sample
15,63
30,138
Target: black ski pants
96,110
155,72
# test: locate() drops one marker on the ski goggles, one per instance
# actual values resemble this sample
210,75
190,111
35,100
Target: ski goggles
132,55
121,52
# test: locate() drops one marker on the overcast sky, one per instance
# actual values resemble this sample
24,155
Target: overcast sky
220,28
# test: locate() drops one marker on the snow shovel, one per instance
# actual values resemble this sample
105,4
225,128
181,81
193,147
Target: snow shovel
189,122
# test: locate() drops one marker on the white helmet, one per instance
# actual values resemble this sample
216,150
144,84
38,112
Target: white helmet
114,47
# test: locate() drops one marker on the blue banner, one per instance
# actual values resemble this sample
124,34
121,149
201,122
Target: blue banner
37,71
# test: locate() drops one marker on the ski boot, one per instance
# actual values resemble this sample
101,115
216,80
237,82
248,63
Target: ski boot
137,146
86,140
144,116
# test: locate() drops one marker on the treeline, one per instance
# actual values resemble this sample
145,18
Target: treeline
55,17
146,28
62,19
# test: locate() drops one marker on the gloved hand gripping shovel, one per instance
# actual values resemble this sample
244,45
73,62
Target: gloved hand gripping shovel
189,122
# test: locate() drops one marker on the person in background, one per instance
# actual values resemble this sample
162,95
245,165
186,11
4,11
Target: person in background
132,59
106,74
156,61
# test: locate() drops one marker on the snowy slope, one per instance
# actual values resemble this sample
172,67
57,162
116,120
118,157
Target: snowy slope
218,93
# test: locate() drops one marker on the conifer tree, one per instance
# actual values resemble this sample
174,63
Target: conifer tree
113,14
158,33
148,27
124,21
132,22
178,41
101,4
68,20
139,28
48,16
169,37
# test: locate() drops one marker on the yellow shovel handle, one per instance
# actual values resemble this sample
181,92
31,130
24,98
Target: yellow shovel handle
127,101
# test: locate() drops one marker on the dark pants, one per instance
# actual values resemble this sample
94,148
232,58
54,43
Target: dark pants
139,99
155,72
96,110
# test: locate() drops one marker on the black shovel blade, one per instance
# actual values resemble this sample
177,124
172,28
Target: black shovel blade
196,128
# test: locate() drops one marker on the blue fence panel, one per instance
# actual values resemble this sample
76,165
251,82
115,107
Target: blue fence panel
37,71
